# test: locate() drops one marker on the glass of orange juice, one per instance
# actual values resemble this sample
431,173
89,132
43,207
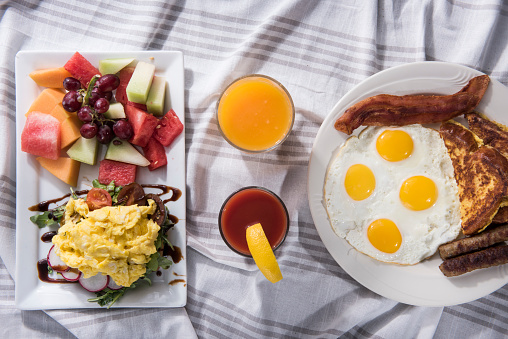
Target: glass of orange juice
255,113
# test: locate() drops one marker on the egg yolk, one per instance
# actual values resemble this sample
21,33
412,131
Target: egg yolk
418,193
394,145
359,182
384,235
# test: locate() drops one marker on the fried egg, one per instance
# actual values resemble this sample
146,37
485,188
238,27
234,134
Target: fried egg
391,193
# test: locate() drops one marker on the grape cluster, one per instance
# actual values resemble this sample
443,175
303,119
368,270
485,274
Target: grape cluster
90,106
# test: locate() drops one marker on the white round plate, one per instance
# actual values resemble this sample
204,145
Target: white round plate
422,284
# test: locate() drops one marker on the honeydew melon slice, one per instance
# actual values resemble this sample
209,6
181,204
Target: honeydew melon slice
156,96
113,66
140,82
122,150
115,111
84,150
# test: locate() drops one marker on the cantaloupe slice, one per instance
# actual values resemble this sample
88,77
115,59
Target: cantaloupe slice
60,113
50,77
70,130
46,101
65,169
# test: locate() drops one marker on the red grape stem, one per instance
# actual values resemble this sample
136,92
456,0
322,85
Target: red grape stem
91,85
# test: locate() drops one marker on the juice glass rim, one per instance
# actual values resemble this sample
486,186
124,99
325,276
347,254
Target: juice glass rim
262,189
293,113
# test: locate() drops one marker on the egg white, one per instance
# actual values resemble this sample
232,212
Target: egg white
422,231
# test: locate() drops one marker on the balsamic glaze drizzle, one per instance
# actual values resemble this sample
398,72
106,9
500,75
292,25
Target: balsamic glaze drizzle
44,205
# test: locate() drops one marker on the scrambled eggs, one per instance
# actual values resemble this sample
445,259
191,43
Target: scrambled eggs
116,241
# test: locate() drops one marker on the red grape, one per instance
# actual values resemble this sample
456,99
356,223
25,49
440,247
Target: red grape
85,114
94,96
107,83
101,105
106,95
72,101
88,130
123,129
105,134
71,84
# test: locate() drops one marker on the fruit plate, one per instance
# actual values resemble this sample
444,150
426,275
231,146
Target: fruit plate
34,184
422,284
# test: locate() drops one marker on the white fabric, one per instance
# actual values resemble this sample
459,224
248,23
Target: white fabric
319,50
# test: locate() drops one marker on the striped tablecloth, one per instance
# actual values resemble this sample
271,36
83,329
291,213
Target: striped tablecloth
319,50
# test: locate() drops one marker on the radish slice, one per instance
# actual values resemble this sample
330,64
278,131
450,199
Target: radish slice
94,284
55,262
71,275
112,285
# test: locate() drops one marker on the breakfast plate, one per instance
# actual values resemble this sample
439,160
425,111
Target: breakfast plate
422,284
34,185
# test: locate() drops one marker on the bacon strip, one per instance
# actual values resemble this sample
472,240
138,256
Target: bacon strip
393,110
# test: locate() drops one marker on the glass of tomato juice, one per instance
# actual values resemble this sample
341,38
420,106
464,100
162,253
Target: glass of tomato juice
255,113
248,206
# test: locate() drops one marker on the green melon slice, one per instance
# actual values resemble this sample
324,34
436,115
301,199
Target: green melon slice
84,150
156,96
115,111
113,66
141,80
122,150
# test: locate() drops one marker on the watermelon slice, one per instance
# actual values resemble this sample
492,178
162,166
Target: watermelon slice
41,135
155,153
168,128
121,172
138,106
81,69
125,76
143,125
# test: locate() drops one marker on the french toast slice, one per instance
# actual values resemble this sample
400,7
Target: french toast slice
501,216
481,173
491,132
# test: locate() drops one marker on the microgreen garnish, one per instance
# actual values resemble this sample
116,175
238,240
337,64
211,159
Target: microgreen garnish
48,218
111,188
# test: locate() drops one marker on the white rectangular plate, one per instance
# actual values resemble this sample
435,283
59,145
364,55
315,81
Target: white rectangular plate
34,184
